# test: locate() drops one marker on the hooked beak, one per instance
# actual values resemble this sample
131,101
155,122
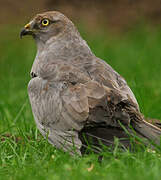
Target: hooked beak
26,30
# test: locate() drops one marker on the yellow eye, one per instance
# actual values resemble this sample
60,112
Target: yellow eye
45,22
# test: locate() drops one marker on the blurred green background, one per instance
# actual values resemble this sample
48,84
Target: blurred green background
125,33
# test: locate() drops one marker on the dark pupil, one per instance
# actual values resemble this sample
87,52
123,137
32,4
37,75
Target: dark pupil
45,21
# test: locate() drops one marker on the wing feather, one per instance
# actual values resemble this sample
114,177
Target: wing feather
66,97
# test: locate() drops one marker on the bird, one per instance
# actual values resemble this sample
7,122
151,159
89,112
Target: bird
77,99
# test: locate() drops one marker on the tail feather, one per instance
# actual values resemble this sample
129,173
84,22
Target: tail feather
94,135
142,127
148,131
155,122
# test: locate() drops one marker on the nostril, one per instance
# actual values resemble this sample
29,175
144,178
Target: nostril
33,75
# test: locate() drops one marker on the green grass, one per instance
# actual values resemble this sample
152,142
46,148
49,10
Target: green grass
136,55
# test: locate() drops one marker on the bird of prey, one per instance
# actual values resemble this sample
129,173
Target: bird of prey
77,99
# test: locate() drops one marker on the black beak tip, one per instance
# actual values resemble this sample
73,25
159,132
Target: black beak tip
23,32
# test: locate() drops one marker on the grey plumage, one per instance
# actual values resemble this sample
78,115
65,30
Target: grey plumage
73,92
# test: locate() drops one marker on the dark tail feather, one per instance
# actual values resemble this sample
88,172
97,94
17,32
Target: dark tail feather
148,131
143,128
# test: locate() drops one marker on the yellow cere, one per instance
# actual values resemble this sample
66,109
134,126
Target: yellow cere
45,22
27,26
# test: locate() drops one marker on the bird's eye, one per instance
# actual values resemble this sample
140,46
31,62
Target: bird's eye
45,22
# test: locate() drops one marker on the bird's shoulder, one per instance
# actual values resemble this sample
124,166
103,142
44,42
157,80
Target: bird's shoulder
98,70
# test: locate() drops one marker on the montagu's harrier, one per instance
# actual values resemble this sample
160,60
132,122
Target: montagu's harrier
77,99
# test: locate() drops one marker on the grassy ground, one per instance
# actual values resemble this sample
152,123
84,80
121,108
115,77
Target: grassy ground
24,154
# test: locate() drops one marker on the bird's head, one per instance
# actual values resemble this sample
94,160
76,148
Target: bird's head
46,25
